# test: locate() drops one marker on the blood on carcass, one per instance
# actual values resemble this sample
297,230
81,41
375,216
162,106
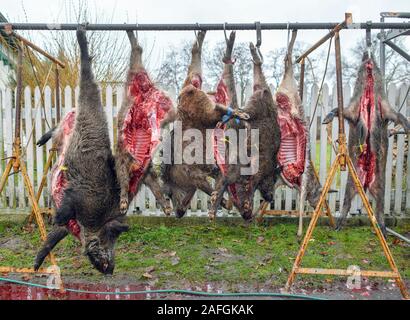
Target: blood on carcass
367,113
219,144
141,127
292,151
58,179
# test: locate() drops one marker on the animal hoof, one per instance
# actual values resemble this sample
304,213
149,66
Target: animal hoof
229,204
214,196
384,231
180,213
124,206
168,211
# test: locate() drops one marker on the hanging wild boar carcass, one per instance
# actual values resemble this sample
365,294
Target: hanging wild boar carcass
84,184
368,115
139,131
197,111
241,185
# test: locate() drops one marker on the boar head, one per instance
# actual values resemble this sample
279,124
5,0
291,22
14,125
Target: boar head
99,246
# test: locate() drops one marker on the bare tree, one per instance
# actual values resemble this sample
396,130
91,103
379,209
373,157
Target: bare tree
172,71
109,56
242,69
274,65
397,68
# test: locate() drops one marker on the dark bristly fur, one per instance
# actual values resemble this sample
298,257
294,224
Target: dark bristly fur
262,112
378,138
92,194
195,110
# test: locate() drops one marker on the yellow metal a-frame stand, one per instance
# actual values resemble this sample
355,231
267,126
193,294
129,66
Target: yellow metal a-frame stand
342,160
18,165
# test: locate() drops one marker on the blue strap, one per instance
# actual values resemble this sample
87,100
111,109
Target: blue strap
228,116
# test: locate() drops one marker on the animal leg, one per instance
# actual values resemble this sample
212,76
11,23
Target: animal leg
88,87
217,196
136,53
377,189
55,236
182,206
66,211
203,184
396,117
122,165
349,195
259,80
194,76
45,137
350,113
151,180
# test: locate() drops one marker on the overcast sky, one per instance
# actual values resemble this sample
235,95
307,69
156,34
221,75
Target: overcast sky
215,11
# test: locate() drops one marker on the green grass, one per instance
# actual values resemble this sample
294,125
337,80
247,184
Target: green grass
213,252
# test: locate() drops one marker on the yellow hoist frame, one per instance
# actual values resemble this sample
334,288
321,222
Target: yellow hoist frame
17,164
342,161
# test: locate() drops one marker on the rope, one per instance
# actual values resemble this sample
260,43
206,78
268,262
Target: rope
321,84
404,100
329,139
38,84
36,106
177,291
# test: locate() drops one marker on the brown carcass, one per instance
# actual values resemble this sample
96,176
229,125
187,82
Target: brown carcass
261,169
84,185
368,114
196,113
139,131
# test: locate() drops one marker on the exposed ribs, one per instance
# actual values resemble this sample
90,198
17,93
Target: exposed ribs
292,151
140,132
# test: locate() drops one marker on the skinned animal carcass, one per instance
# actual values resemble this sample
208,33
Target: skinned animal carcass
200,111
293,156
90,188
368,115
262,112
139,131
61,136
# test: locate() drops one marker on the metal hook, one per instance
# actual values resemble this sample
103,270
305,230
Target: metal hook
226,38
258,34
287,28
196,34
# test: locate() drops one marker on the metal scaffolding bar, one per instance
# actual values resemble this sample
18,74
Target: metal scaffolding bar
395,14
203,26
399,50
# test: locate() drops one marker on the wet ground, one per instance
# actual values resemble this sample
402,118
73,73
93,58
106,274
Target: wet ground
109,290
191,254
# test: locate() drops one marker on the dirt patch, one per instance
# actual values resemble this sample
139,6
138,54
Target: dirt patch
12,244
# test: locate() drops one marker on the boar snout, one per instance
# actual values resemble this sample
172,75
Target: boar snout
101,258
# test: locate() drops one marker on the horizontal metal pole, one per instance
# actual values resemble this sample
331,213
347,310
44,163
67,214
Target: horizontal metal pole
204,26
395,14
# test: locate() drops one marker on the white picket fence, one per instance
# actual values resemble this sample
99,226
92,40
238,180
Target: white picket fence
38,117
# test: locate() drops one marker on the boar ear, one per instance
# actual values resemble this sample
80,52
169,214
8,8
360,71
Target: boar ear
115,228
